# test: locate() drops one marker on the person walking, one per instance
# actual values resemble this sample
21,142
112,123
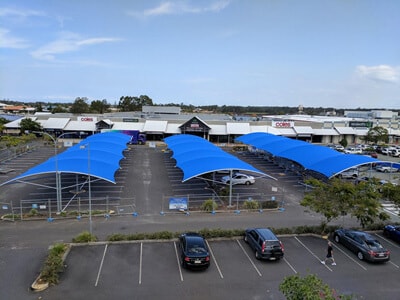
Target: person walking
329,255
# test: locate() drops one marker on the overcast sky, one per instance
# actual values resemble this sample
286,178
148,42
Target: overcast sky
315,53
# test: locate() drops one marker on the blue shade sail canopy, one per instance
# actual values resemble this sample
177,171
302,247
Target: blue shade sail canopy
98,156
317,158
196,156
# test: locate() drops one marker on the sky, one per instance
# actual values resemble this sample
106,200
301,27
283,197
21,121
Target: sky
314,53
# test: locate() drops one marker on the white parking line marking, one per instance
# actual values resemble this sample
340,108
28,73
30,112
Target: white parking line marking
140,263
101,265
293,269
251,261
177,260
349,257
387,241
312,253
215,261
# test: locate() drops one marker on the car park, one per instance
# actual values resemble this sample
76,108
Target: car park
238,178
194,251
363,244
393,232
264,243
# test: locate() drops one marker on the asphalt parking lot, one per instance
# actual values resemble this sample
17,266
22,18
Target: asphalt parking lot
150,270
147,270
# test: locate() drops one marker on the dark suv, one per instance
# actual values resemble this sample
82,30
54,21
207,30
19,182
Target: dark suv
194,251
264,242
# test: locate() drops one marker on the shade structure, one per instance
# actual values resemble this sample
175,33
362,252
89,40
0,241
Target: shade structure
317,158
98,156
196,156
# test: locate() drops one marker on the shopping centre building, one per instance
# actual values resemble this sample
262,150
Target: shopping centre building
159,122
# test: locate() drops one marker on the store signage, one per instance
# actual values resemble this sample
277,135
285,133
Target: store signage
359,124
87,119
282,124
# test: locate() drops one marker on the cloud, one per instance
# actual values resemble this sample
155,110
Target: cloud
181,7
69,42
8,41
381,73
11,12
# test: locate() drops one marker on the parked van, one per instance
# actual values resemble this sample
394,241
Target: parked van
264,243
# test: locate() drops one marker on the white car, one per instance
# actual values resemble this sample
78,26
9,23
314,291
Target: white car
239,178
353,150
386,169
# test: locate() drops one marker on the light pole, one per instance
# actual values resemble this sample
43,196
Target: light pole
89,187
58,177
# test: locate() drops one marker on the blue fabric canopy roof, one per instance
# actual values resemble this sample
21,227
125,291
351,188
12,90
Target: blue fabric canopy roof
320,159
98,155
196,156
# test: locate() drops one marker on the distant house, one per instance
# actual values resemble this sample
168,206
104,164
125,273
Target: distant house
18,109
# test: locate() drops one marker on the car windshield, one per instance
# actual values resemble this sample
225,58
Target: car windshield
197,249
373,244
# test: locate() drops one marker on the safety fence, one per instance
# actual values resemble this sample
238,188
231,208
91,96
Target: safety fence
215,203
78,208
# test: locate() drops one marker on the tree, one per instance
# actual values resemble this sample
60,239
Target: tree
377,134
28,124
59,109
129,103
80,106
344,143
340,198
332,199
310,287
99,106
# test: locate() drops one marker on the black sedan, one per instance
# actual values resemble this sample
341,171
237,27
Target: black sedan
363,244
194,251
392,232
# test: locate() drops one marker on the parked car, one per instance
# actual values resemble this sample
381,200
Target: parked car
392,232
351,173
372,154
238,178
385,151
387,169
264,243
353,150
339,148
194,251
395,152
363,244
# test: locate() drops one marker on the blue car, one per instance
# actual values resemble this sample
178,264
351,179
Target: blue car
392,232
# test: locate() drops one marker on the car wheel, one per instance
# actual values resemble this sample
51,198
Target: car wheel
385,233
246,239
257,255
360,255
337,239
247,183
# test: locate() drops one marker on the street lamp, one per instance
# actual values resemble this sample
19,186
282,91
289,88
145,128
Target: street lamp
89,187
58,177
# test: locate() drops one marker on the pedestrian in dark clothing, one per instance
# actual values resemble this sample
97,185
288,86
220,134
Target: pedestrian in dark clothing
329,255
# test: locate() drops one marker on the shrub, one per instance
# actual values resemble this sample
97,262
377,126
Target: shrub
53,265
270,204
84,237
250,204
33,212
209,205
